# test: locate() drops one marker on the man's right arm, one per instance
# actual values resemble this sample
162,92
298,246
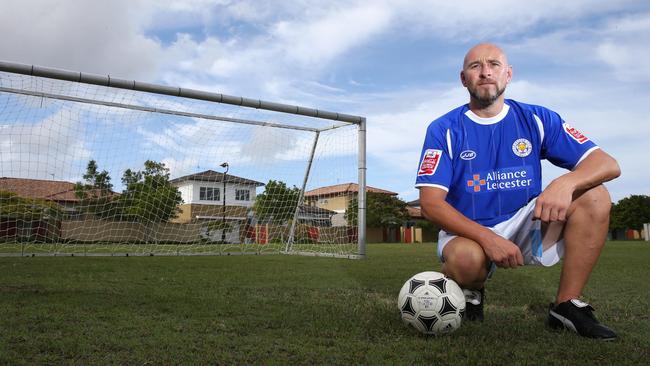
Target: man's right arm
501,251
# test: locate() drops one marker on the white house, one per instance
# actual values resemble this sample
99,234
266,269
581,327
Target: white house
203,196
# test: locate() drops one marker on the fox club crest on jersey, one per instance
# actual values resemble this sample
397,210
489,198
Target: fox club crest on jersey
429,162
522,147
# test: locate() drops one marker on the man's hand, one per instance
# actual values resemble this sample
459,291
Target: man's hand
499,250
502,252
553,203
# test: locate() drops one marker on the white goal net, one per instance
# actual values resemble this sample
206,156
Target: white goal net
92,165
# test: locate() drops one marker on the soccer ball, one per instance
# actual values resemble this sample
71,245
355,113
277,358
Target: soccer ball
431,303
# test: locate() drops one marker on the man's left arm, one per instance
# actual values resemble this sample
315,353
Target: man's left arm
553,203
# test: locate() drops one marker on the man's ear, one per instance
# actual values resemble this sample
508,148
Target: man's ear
462,79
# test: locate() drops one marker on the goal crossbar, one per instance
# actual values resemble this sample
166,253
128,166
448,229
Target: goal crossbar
108,81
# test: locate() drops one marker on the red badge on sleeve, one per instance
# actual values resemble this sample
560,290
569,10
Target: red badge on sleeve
575,134
429,162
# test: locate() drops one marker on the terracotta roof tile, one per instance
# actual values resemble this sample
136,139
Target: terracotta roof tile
39,188
414,212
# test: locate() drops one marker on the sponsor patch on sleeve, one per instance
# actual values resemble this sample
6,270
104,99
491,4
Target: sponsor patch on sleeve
429,162
575,134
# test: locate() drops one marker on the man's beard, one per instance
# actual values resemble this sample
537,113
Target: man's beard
485,102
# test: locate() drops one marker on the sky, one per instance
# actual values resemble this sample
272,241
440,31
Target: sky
395,62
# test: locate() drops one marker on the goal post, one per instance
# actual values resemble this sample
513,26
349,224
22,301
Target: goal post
95,165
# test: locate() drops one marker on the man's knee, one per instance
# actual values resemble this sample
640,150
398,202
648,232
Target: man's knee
595,202
465,261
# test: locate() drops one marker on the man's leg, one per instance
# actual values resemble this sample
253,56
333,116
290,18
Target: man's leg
584,237
466,263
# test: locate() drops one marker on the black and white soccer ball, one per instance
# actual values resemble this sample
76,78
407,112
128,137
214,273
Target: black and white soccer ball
431,303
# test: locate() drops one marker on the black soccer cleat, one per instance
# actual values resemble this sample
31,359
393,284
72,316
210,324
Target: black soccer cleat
474,300
578,316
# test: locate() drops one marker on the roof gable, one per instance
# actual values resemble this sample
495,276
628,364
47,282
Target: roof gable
212,176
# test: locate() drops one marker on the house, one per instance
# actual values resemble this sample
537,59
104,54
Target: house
422,229
203,196
60,192
204,200
337,198
414,210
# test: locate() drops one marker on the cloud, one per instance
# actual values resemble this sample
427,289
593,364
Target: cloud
611,49
179,167
49,148
203,144
268,50
398,121
97,37
625,47
316,42
469,22
276,52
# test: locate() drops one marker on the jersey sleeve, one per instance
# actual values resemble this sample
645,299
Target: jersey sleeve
562,144
435,166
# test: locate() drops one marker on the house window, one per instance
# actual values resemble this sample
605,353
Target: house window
242,195
209,194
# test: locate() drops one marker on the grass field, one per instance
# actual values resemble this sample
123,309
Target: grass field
281,309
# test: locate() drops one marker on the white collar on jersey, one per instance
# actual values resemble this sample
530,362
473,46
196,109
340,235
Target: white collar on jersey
488,120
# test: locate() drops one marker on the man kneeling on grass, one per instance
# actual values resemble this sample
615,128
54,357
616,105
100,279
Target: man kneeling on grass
480,179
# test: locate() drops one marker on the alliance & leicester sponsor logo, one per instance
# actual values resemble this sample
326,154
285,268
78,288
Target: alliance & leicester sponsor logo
500,179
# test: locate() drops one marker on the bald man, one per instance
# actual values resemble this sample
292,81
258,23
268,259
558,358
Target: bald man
480,180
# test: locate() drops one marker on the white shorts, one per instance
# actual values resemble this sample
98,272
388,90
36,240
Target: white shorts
522,230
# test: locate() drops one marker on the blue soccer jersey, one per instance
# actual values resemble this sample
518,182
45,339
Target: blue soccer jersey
491,167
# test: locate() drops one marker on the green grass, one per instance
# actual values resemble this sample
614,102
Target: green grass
144,249
299,310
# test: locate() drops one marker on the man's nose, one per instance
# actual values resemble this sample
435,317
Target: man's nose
486,70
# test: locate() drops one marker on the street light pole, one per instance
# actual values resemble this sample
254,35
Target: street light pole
223,207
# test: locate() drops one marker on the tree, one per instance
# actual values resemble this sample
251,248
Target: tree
15,207
96,195
630,212
351,214
33,218
277,204
149,196
98,184
381,210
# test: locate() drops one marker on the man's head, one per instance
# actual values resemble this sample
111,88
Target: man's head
485,74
